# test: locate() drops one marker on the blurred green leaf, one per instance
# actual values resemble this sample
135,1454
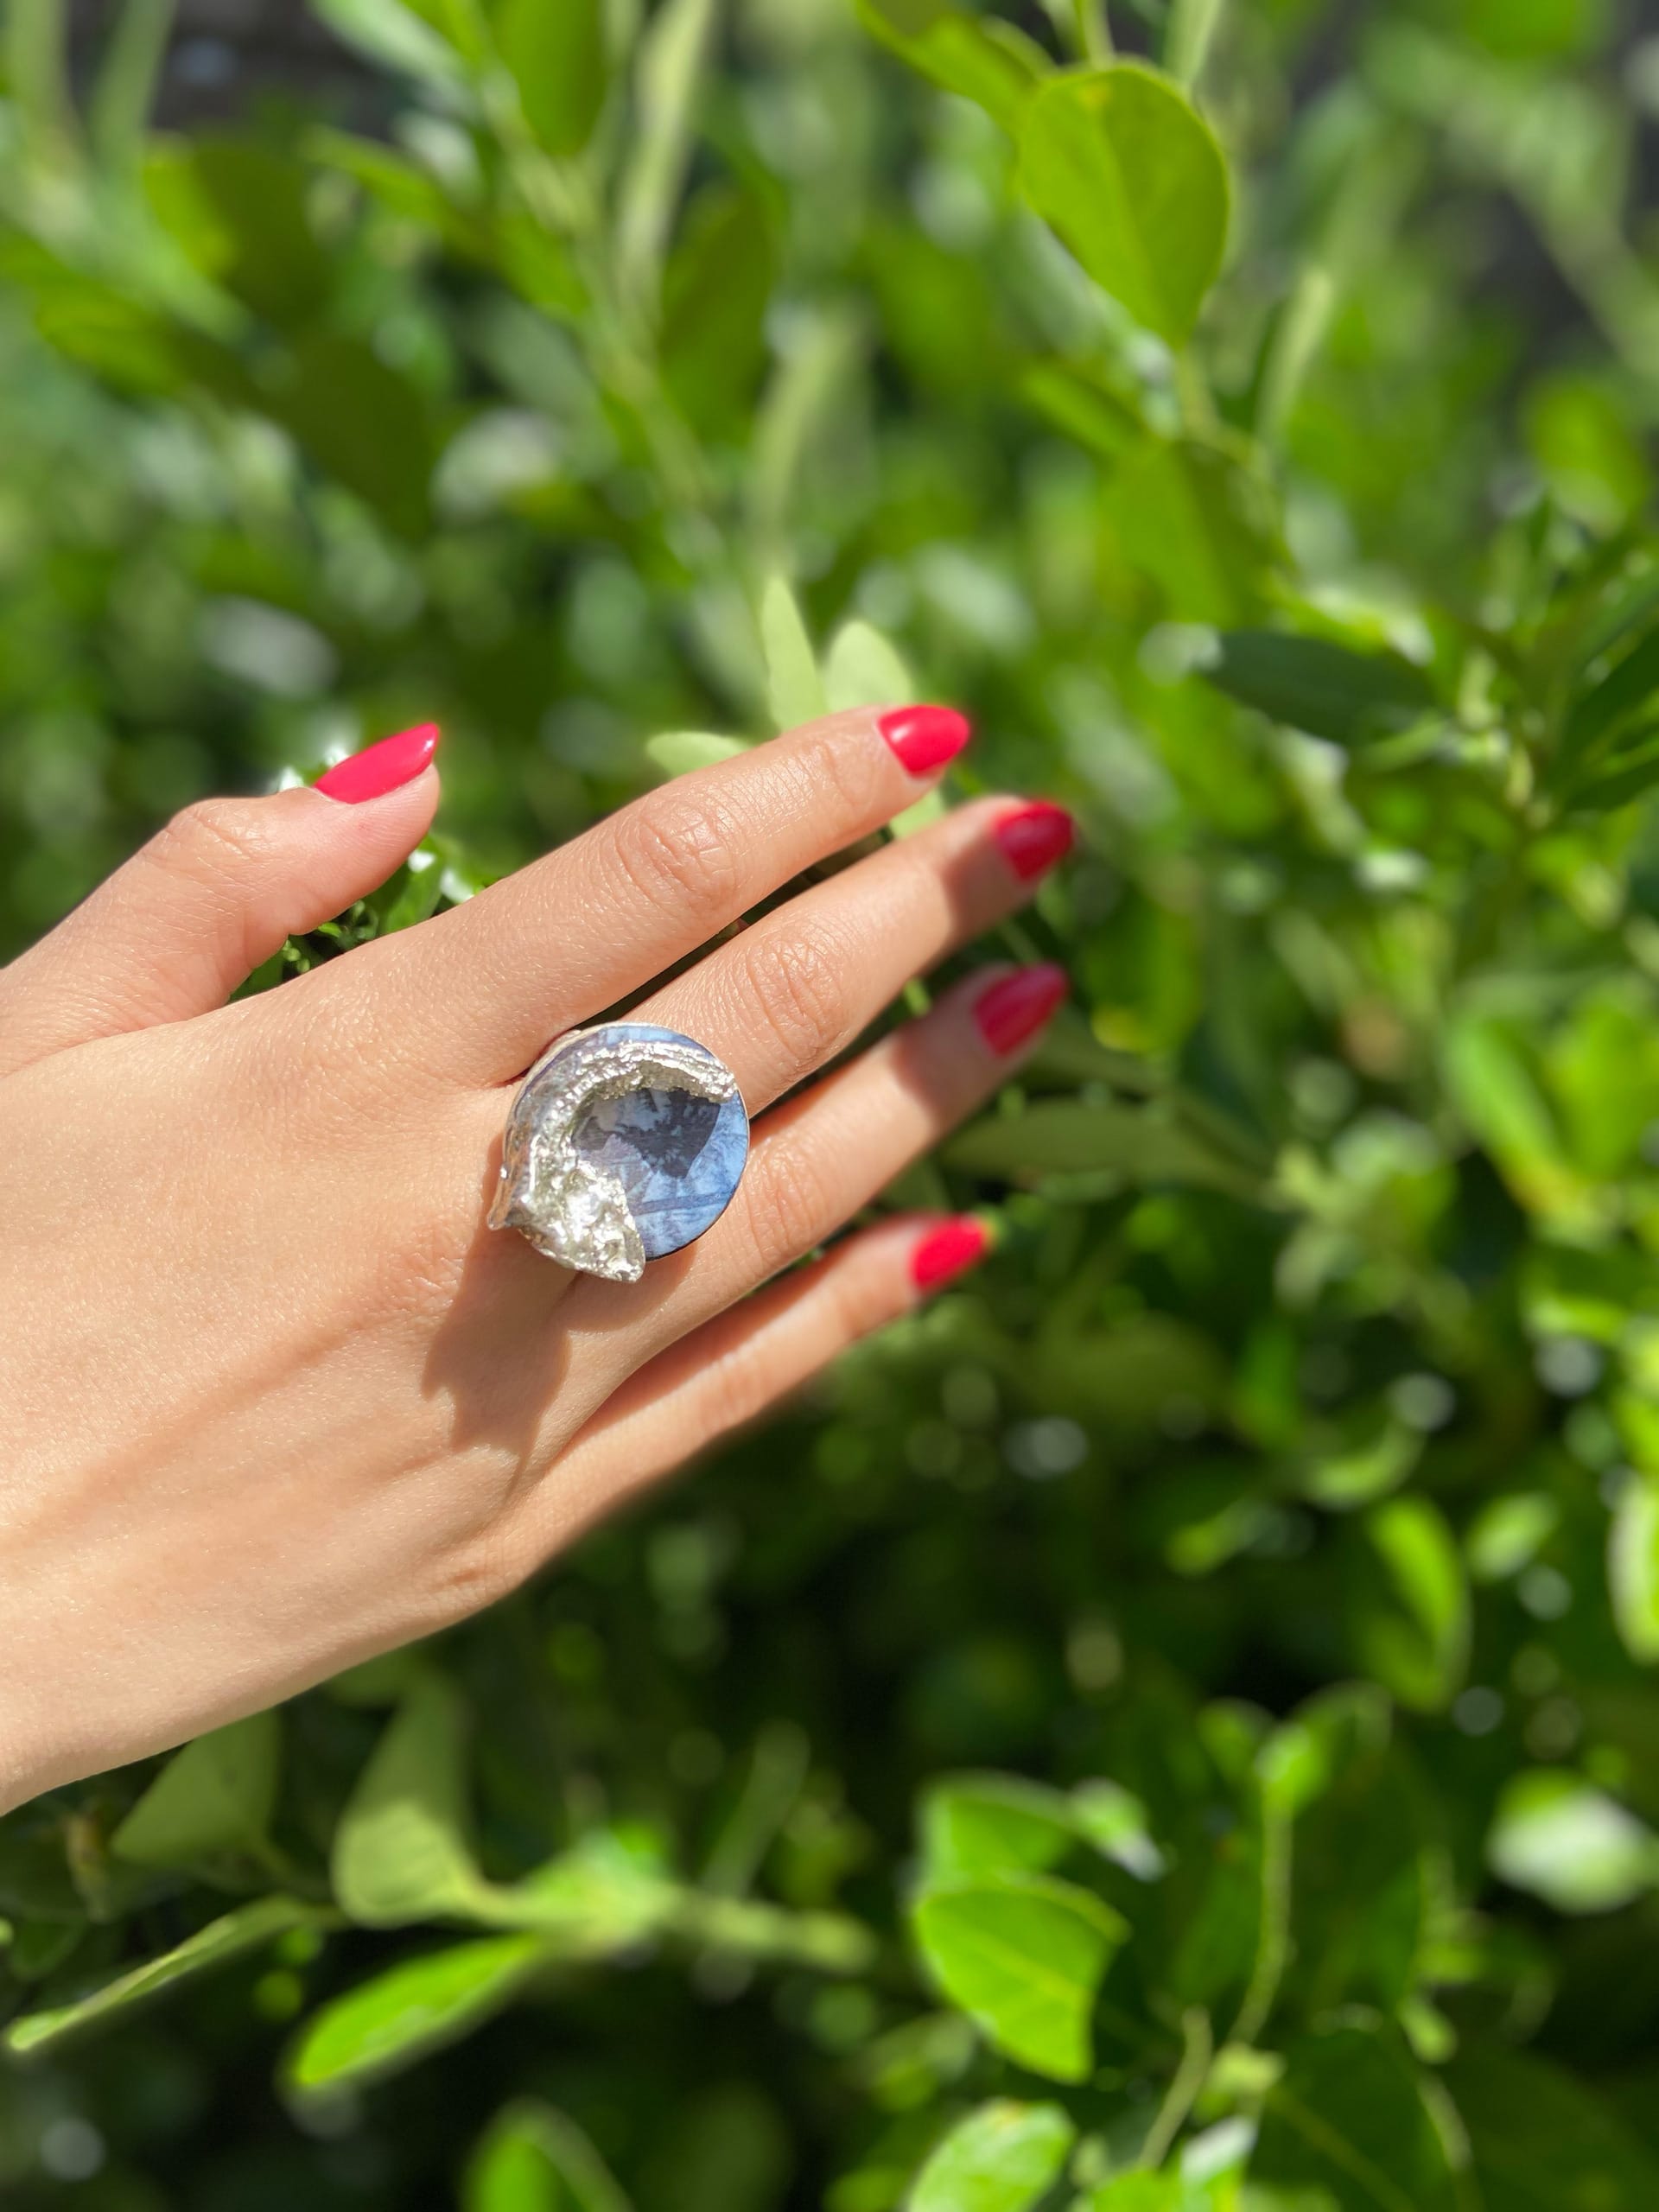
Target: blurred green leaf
794,684
397,2017
251,1928
1316,685
395,35
1633,1567
555,50
993,1824
983,59
1024,1954
534,2159
1414,1633
677,752
718,286
217,1795
1571,1844
1063,1136
668,76
1347,2123
1119,163
400,1852
1002,2158
1541,2141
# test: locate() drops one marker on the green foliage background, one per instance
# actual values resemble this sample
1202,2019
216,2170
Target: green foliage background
1175,1727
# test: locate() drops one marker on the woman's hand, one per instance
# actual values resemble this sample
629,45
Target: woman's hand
272,1399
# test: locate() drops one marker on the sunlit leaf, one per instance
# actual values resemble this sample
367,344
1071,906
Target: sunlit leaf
1571,1844
1002,2158
1024,1954
217,1795
1120,163
394,2019
401,1853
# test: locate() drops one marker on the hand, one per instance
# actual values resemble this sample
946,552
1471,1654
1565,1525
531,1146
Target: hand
272,1398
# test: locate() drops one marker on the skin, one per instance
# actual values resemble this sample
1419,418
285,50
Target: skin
272,1398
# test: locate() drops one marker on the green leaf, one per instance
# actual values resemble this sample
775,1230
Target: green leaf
1121,165
1543,2143
1314,684
1194,517
794,686
555,50
865,669
249,1929
1608,703
1633,1567
387,2024
1349,2123
668,77
1414,1634
988,62
396,36
994,1824
216,1795
1063,1136
534,2159
1024,1955
677,751
361,420
1085,408
714,300
400,1852
1000,2159
1138,2193
1560,1838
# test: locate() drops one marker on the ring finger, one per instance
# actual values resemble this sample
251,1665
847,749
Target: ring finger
821,1157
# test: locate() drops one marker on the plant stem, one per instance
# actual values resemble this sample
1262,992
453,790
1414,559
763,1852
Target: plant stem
1095,30
1272,1942
1198,2048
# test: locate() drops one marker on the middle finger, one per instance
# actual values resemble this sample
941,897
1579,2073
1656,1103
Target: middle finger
794,990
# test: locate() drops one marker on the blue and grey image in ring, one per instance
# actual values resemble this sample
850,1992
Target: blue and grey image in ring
678,1157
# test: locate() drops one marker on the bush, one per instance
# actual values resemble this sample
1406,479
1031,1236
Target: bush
1173,1727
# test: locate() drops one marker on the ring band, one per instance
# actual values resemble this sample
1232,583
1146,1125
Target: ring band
624,1143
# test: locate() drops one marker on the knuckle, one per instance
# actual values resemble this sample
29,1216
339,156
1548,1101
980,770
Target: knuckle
679,854
214,840
848,769
795,981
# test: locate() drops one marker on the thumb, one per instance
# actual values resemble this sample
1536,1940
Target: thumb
190,917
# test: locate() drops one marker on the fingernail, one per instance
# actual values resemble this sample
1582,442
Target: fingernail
949,1251
381,768
1033,838
1016,1007
924,738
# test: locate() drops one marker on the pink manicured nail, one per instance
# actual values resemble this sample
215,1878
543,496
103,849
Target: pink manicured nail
1034,837
1016,1007
949,1251
924,738
382,768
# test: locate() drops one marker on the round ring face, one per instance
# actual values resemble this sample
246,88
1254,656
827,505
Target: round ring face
624,1144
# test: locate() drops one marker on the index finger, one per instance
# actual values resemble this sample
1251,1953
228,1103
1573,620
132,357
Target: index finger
485,987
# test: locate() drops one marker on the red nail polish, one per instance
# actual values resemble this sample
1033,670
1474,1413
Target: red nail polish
381,768
1033,838
949,1251
1016,1007
924,738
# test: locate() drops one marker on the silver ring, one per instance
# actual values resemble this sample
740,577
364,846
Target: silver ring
624,1144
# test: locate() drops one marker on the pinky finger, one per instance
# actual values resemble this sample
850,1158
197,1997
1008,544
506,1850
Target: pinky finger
737,1367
